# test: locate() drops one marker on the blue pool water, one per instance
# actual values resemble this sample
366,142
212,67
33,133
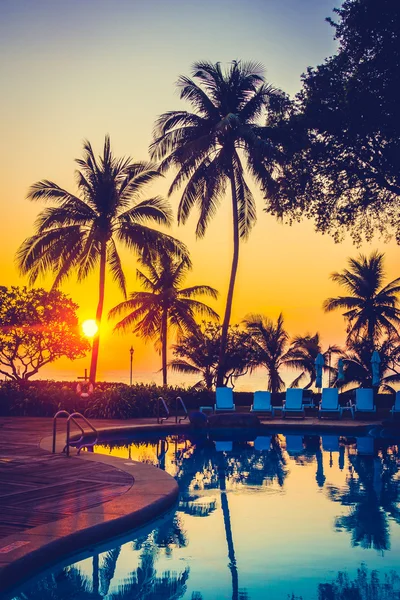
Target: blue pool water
279,517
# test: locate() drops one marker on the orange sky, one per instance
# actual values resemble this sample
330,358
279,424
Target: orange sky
70,75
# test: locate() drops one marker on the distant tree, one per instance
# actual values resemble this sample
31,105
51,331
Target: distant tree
357,363
198,352
81,234
165,304
302,354
211,147
370,310
344,169
37,328
269,342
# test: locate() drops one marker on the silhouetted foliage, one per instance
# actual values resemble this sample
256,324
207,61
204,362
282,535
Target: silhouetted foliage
344,167
165,305
37,328
210,145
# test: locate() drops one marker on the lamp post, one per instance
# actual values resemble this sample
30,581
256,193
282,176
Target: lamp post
131,353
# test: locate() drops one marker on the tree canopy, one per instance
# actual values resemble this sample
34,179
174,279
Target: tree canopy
344,170
37,328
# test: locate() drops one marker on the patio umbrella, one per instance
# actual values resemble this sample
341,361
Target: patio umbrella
375,360
319,363
340,375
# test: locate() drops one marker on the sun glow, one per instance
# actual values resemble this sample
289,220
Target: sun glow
90,328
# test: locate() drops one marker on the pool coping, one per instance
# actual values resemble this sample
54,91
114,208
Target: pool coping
152,493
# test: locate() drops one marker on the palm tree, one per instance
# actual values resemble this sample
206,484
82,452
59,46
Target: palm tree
208,147
269,342
302,355
370,309
357,363
82,233
164,304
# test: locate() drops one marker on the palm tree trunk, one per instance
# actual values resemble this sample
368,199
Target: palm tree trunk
164,324
99,313
228,307
228,530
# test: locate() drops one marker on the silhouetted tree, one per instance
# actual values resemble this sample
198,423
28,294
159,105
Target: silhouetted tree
210,146
164,305
82,233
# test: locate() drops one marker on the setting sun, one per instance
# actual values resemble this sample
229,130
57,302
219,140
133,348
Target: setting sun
90,327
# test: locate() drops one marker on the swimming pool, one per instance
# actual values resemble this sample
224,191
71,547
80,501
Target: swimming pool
277,517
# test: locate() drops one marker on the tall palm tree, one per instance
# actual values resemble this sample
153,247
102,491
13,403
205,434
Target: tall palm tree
269,343
164,304
370,309
302,355
81,233
210,147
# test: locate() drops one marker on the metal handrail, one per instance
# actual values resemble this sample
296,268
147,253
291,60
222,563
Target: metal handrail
161,419
60,413
72,417
184,410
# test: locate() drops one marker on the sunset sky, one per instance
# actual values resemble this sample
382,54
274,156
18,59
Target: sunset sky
83,68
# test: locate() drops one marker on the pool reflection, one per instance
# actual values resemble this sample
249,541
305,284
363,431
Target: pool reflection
272,517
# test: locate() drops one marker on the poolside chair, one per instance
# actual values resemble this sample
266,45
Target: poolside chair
293,402
262,402
395,410
329,402
294,444
223,446
364,401
224,399
262,443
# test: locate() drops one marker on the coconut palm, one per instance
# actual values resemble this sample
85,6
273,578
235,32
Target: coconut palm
302,355
357,363
81,233
269,344
210,146
370,309
164,305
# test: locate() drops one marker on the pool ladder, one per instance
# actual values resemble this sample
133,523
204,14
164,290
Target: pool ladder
73,417
162,404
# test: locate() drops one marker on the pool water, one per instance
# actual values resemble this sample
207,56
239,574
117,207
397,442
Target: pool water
281,517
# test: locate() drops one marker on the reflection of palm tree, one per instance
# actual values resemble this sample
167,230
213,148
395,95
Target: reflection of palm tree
372,495
165,304
82,233
362,587
69,583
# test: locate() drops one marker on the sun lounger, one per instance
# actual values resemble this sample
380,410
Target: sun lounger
224,399
223,446
395,410
329,402
364,400
293,402
262,443
262,402
294,444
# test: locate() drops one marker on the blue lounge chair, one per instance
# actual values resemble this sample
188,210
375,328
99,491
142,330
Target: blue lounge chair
330,443
329,402
224,399
395,410
262,402
364,401
365,446
293,402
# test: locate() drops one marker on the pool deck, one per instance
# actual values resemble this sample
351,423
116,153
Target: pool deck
52,506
